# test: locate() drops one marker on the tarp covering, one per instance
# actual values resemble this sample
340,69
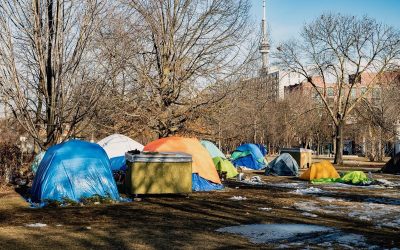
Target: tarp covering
201,184
116,146
36,162
392,166
283,165
250,156
74,170
202,163
212,149
224,165
323,169
353,177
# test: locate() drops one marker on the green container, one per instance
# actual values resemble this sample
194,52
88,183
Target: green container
158,173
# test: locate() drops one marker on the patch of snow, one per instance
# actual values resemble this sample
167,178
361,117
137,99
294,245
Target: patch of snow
36,225
288,185
238,198
310,190
265,208
387,183
265,233
329,199
59,225
88,228
309,215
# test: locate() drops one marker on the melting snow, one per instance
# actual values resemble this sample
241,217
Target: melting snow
264,233
265,208
309,215
310,190
36,225
297,235
238,198
382,215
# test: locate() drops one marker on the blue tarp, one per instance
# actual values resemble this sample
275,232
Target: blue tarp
74,170
118,163
201,184
283,165
250,156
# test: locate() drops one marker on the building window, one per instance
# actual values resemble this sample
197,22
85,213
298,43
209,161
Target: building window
363,90
330,92
353,94
376,93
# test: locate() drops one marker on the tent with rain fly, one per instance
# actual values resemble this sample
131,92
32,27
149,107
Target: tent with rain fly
250,156
116,146
204,174
74,170
212,149
224,165
320,170
221,163
392,166
283,165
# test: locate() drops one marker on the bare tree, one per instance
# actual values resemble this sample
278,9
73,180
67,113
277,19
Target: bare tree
334,47
185,50
45,68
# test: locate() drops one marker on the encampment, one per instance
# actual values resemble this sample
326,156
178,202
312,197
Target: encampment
392,166
221,163
323,169
205,176
283,165
74,170
116,146
250,156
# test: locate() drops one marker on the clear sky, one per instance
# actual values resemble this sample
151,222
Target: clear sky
285,18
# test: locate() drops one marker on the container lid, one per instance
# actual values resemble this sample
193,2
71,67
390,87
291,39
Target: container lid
296,150
158,157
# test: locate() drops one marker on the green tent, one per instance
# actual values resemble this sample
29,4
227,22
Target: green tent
353,177
224,165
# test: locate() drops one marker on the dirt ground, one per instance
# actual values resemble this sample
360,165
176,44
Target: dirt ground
190,222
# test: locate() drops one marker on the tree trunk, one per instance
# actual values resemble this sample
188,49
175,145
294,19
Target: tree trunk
339,143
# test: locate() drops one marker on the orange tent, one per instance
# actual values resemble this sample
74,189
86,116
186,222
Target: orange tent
202,163
323,169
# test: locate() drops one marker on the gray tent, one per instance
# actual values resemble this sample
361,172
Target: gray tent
283,165
392,166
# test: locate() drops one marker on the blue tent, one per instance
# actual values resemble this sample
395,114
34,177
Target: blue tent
74,170
250,156
283,165
212,149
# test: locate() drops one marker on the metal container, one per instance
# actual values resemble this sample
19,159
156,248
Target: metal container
302,156
158,173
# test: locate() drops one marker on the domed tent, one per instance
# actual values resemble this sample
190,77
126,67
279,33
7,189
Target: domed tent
250,156
283,165
116,146
392,166
224,165
205,176
73,170
212,149
323,169
219,159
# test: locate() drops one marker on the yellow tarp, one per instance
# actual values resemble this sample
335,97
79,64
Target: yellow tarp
202,163
323,169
